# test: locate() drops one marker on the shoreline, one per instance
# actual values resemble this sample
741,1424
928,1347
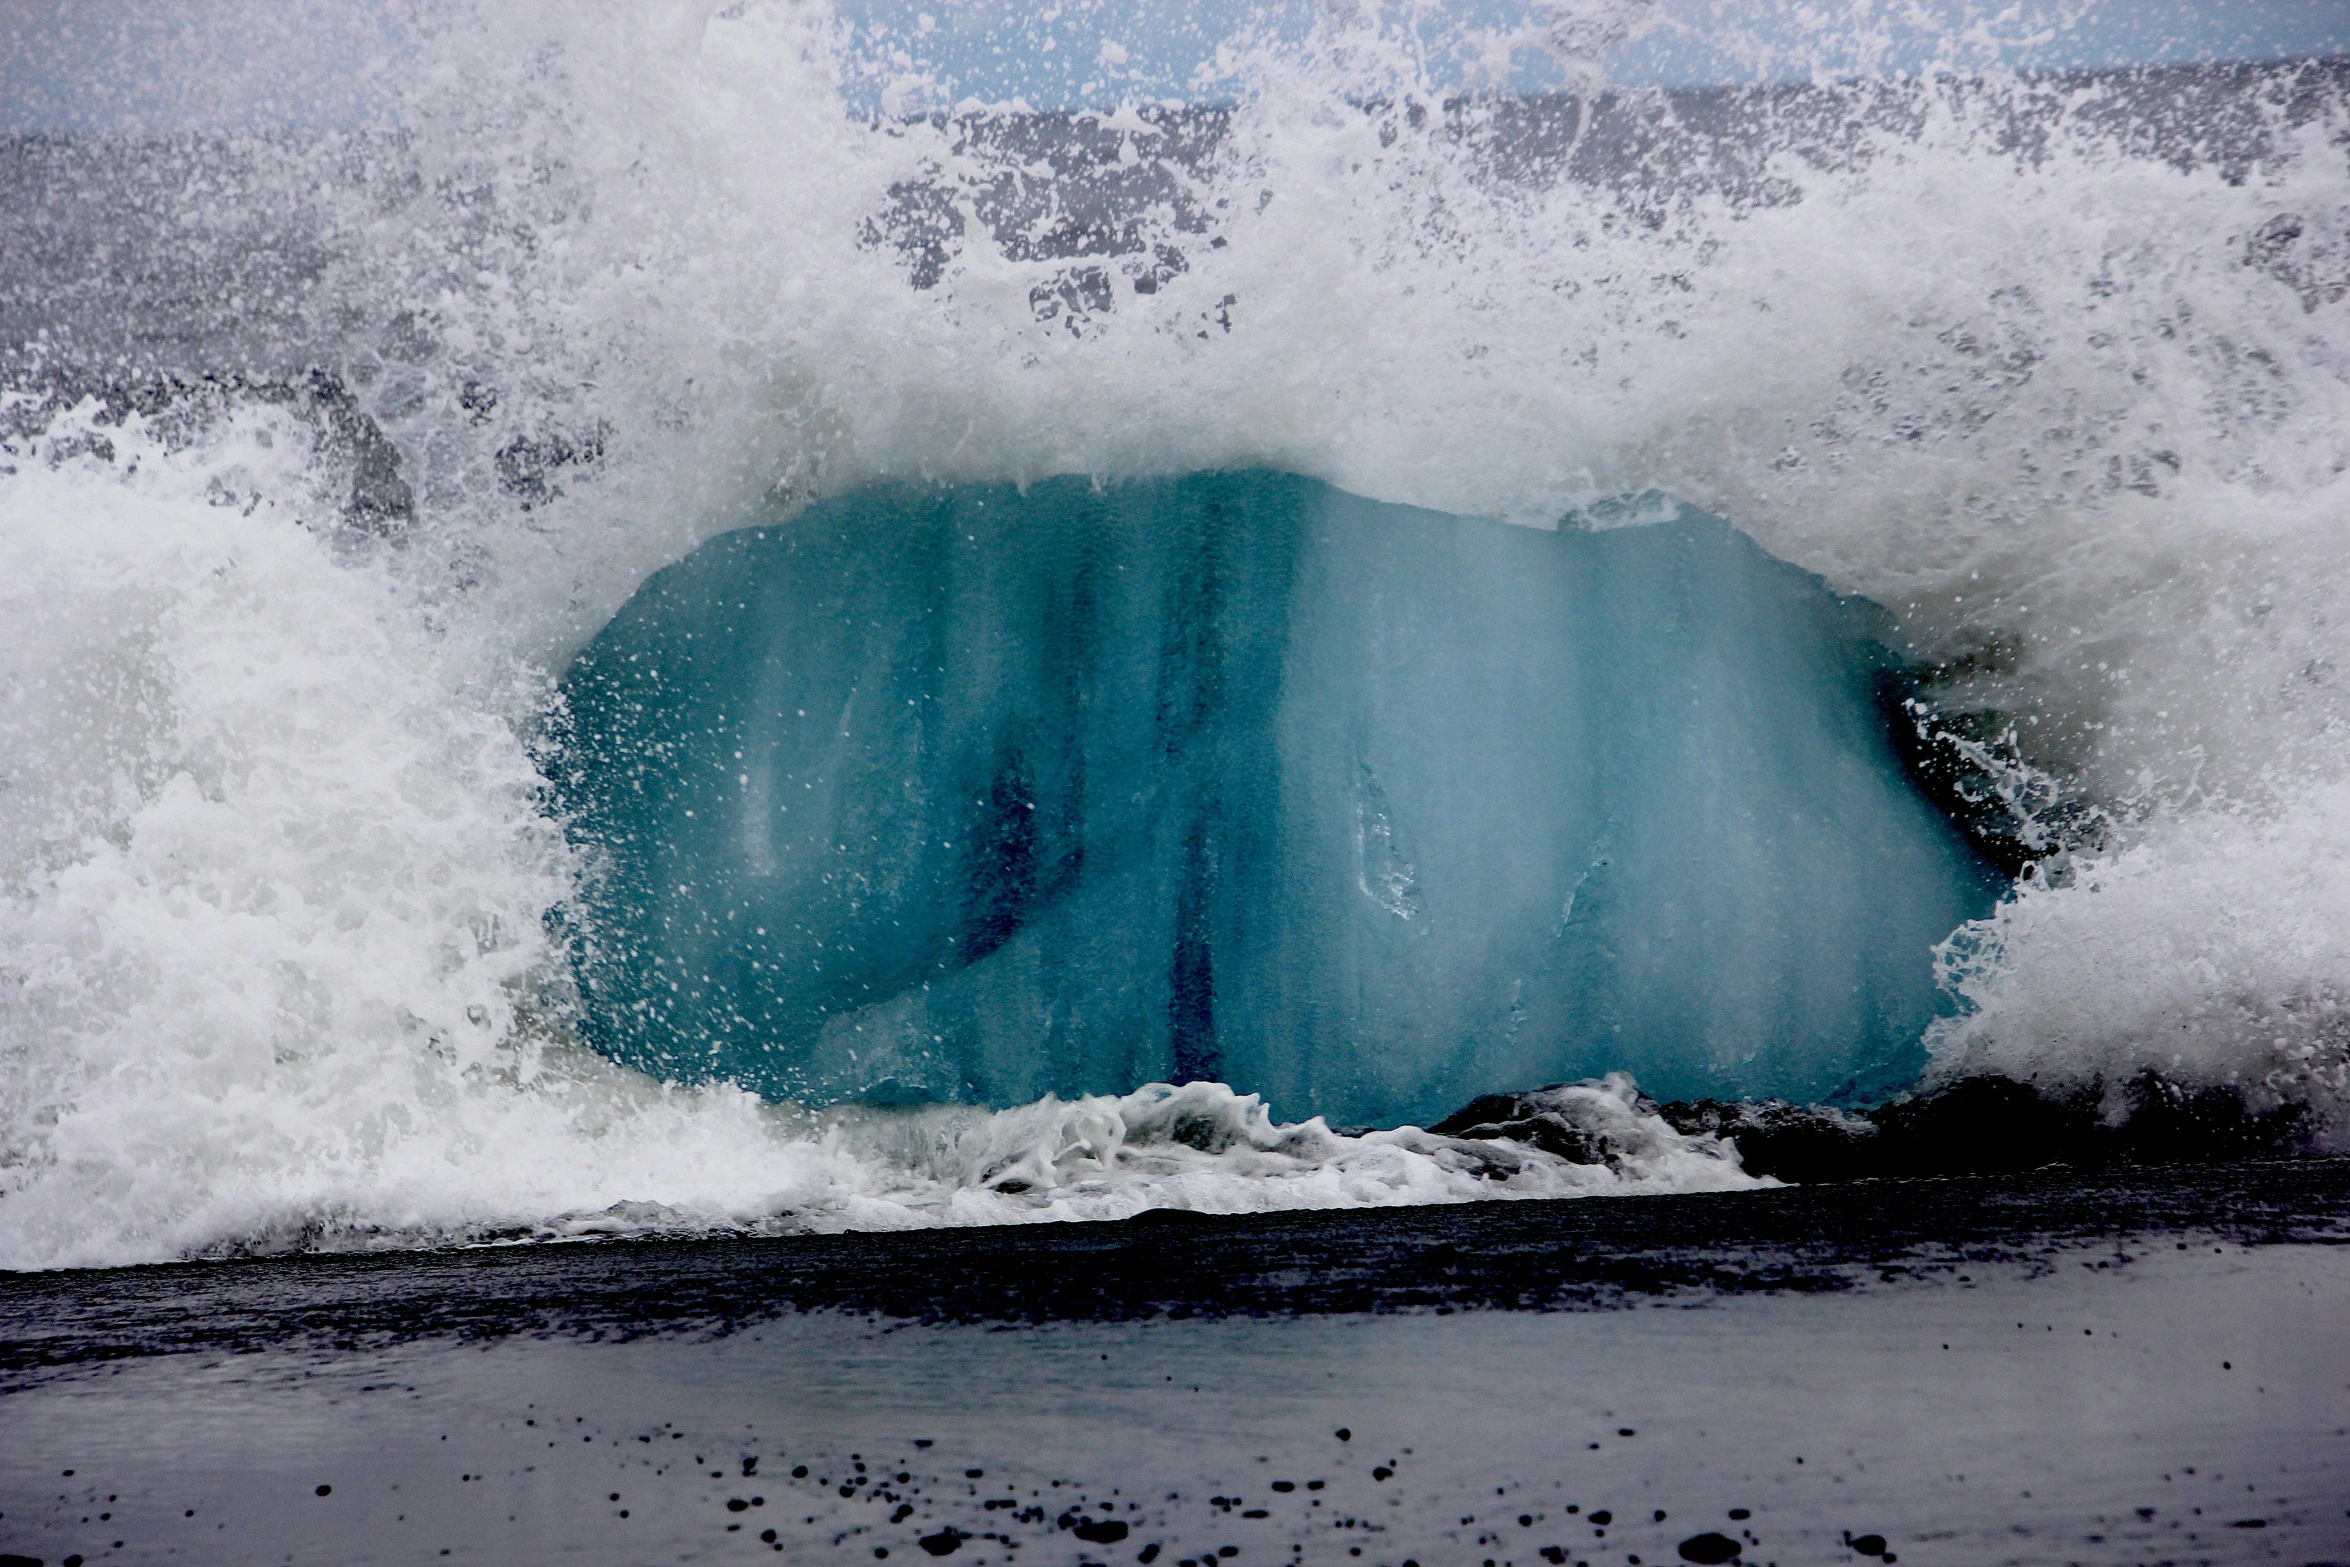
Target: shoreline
2042,1368
1535,1254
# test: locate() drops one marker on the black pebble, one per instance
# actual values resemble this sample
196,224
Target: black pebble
974,1474
1603,1517
1709,1549
1285,1486
1108,1532
799,1472
1868,1544
1149,1553
1381,1472
325,1490
1740,1512
1342,1433
943,1542
735,1504
1626,1431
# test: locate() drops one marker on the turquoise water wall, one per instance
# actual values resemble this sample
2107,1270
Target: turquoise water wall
975,794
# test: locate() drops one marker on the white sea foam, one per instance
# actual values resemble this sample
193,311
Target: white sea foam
275,870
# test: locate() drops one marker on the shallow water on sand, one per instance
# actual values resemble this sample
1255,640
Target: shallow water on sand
2167,1400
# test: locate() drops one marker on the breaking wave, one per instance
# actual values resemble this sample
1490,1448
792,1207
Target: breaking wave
326,449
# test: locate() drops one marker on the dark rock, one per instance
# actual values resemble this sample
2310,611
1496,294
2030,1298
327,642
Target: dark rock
1603,1517
1536,1119
1997,1126
1801,1143
943,1543
2167,1124
1867,1544
1107,1532
1709,1549
1985,1125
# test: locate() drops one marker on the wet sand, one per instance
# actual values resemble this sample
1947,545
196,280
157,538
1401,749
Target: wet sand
2142,1369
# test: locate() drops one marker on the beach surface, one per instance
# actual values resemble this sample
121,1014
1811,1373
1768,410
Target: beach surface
2143,1367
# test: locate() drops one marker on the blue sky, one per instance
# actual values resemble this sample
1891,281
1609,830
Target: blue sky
168,64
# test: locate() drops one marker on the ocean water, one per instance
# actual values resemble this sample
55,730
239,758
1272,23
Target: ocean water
329,448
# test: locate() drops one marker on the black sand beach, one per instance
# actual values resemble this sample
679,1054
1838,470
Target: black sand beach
2136,1368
